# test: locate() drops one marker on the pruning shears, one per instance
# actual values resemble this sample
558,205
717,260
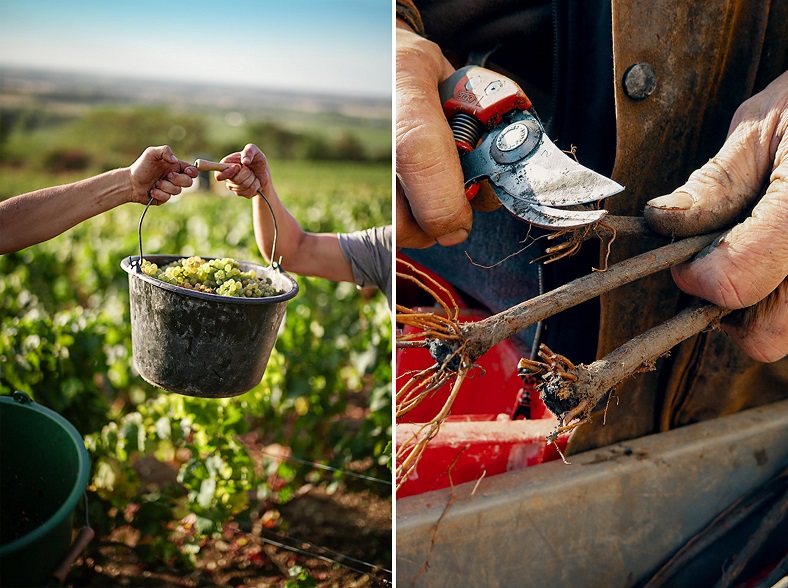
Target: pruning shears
500,138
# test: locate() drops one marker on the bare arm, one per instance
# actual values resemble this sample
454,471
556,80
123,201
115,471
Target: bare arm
304,253
40,215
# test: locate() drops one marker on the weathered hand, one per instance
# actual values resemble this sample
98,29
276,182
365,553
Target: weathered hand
158,173
251,173
747,267
431,201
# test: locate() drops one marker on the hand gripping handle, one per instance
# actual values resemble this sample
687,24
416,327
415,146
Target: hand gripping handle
475,99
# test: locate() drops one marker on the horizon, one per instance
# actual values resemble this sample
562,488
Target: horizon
290,47
23,70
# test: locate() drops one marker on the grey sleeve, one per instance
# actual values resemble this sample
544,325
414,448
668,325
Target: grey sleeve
369,254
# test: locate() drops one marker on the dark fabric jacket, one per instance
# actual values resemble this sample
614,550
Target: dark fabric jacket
708,60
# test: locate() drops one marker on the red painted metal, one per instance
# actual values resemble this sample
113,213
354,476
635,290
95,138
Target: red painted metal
479,438
465,451
483,94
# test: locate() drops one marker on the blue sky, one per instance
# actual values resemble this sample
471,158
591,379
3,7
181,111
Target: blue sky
341,46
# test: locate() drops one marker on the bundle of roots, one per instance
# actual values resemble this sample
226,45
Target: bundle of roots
570,391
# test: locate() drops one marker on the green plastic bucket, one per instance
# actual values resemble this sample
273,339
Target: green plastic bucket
44,470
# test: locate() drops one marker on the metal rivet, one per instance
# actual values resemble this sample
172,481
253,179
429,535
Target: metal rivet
640,80
512,137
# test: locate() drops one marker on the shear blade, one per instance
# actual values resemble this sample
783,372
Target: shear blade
545,174
552,178
542,178
547,217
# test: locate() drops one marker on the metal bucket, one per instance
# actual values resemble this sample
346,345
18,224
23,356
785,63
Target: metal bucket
201,344
44,470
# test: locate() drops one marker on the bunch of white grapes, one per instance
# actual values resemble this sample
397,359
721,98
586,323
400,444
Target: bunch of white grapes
216,276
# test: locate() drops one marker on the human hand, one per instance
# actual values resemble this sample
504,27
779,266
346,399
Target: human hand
159,174
747,267
251,174
431,201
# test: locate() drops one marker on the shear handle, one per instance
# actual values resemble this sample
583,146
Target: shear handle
481,93
475,99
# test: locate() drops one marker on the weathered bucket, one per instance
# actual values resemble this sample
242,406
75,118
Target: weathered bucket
44,470
201,344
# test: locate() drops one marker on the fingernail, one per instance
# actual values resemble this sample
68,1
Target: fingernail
454,238
674,201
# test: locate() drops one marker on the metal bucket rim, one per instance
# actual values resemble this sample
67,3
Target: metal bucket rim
78,489
128,266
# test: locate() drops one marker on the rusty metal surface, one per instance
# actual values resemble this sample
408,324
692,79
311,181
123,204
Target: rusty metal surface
608,519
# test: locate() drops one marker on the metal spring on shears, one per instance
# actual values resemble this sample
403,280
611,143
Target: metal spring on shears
467,130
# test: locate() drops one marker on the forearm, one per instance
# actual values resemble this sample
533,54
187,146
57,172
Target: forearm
303,253
40,215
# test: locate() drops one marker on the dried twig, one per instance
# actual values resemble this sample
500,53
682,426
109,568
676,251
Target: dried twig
481,336
591,382
409,453
446,508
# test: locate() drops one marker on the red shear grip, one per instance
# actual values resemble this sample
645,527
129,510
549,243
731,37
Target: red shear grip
473,189
481,93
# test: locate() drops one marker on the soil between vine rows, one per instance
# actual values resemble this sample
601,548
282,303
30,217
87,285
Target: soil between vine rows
354,524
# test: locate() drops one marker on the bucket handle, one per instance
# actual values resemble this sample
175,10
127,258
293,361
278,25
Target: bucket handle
203,164
21,397
84,537
138,263
275,263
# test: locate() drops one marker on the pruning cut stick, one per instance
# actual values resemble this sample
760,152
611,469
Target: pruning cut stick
638,354
621,226
481,336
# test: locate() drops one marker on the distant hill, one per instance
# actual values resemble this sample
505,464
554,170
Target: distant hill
68,90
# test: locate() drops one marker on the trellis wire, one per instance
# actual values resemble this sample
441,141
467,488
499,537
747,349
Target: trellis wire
327,467
298,550
293,548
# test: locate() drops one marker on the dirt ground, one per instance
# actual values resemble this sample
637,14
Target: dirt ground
352,524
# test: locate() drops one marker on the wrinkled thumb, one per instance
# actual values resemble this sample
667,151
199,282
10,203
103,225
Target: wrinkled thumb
715,196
